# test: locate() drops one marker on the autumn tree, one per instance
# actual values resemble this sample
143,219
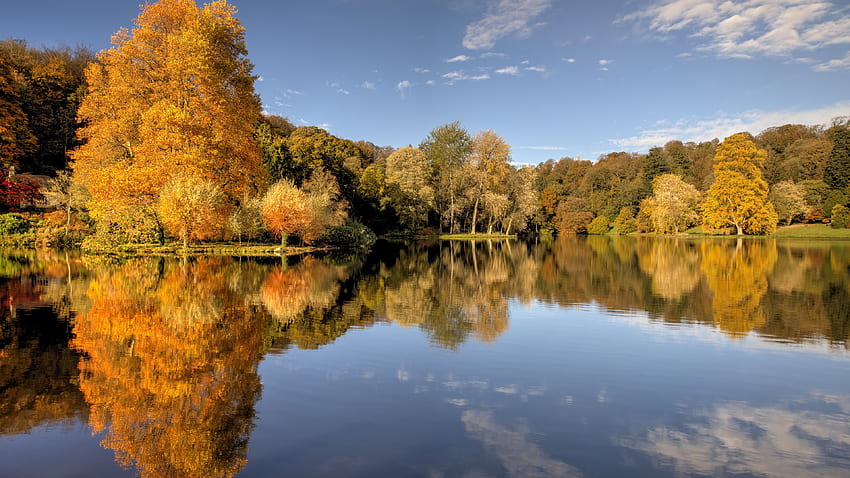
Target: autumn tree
673,204
285,209
789,200
16,139
191,208
738,196
173,98
246,220
408,178
487,170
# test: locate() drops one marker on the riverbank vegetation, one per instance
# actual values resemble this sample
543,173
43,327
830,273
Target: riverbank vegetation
141,144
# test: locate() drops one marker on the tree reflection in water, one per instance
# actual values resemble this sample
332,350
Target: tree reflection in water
170,368
167,350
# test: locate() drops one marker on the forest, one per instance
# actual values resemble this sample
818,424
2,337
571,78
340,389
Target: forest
141,144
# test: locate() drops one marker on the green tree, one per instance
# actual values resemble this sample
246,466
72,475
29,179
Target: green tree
840,216
408,176
837,171
738,196
654,165
599,225
447,148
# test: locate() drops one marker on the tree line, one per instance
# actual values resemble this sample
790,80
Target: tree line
163,135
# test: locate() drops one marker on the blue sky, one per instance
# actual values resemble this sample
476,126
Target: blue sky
554,78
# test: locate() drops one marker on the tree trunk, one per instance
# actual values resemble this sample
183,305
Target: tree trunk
474,216
283,236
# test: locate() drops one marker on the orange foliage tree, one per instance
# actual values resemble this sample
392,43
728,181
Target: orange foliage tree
285,209
173,98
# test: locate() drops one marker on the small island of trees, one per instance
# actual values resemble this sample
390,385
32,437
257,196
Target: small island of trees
162,137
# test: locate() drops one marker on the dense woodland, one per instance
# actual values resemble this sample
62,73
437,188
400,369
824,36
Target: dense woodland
145,142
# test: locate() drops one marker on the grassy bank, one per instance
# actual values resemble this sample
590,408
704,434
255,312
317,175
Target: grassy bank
213,248
812,231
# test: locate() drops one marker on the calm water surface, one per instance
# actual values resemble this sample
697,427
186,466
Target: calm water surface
582,357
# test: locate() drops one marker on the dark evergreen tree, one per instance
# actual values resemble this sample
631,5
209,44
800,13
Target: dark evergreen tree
837,172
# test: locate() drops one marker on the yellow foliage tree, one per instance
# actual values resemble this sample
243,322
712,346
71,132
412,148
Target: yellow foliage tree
173,98
738,196
191,208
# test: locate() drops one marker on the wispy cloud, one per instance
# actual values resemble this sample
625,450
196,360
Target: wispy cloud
605,62
458,58
367,85
289,93
750,28
504,18
539,69
754,121
508,70
454,76
834,65
569,60
403,87
336,86
491,54
422,70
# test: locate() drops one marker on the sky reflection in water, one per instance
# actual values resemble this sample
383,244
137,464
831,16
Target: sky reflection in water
579,357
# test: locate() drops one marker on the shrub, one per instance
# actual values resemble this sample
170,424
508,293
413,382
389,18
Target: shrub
599,225
351,235
840,216
13,223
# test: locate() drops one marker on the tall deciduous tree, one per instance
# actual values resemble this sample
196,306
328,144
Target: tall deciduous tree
487,169
408,176
173,98
673,204
15,136
738,196
447,148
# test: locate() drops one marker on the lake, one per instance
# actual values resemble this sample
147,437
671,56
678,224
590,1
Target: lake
573,357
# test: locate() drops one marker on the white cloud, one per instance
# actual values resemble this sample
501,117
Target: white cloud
833,65
289,93
458,58
403,87
460,76
540,69
605,62
508,70
368,85
336,86
570,60
504,18
754,121
430,83
491,54
422,70
750,28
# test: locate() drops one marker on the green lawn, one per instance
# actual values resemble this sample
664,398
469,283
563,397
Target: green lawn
812,231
